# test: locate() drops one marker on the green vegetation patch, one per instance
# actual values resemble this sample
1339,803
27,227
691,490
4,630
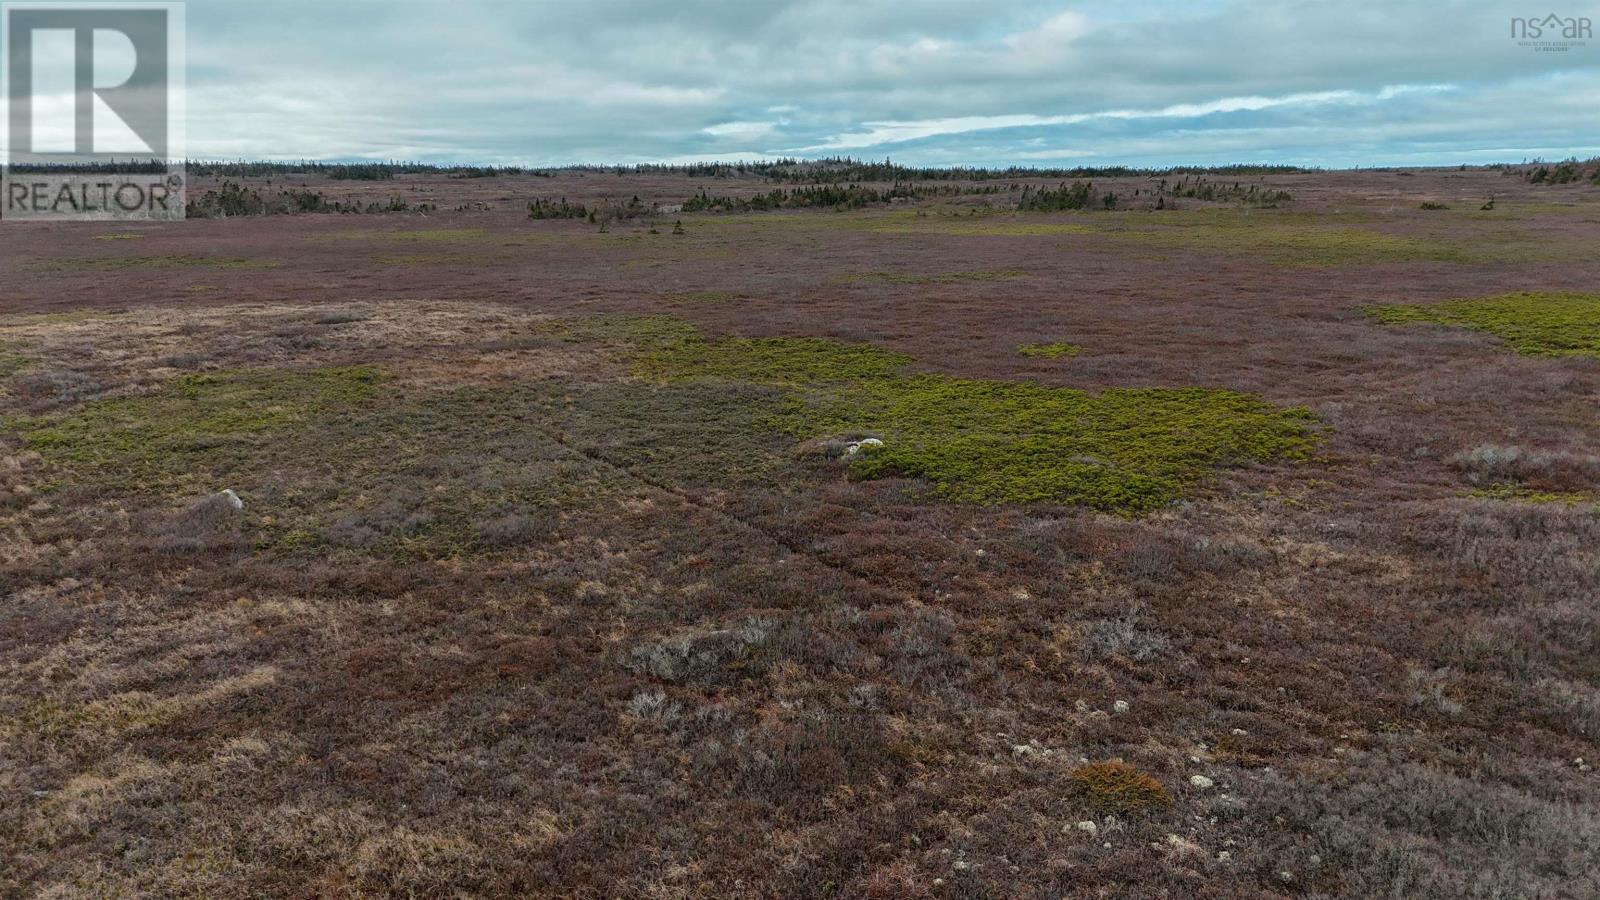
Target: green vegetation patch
1517,493
1127,450
650,332
711,435
11,362
198,423
336,460
782,361
70,317
1284,238
177,261
1057,350
432,475
1533,324
1290,242
939,277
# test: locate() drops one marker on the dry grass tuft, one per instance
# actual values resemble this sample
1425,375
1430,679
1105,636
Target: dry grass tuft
1115,788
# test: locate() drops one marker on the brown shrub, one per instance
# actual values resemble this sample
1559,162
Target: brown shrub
1116,788
898,881
414,863
42,391
1551,470
1124,637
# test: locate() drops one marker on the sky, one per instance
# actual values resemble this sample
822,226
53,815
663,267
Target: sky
935,82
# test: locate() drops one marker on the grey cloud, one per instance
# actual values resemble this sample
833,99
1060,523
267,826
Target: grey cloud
554,82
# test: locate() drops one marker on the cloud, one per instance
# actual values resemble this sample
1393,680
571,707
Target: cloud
881,133
744,131
935,81
1051,40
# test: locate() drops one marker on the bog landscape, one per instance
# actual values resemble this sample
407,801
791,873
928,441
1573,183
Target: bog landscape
806,529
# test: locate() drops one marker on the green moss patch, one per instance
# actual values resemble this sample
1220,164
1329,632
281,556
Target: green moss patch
1533,324
1049,351
1128,450
1517,493
1289,242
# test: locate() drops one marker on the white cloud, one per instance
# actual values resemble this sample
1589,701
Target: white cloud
1052,39
743,131
879,133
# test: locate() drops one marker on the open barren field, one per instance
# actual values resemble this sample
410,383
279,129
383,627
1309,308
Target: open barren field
1239,547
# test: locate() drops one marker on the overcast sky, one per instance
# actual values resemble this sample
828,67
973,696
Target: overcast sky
936,82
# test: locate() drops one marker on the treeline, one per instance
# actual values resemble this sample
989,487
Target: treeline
1078,195
1566,172
132,167
607,212
337,171
830,196
1082,195
552,209
845,169
834,170
236,200
1198,188
386,171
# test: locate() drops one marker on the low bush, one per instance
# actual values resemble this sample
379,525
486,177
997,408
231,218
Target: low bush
1555,471
232,199
1122,637
1534,324
1127,450
1114,788
827,196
